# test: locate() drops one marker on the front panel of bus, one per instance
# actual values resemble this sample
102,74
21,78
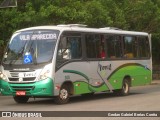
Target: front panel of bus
27,64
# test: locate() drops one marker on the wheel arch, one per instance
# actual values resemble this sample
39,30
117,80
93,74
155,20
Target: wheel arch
70,85
129,79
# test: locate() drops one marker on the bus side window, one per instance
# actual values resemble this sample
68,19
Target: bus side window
130,47
63,49
114,46
144,49
75,48
102,50
69,48
95,46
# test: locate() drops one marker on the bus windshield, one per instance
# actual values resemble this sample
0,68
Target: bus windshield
31,47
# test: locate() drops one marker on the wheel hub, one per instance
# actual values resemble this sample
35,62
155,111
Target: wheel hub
125,87
63,94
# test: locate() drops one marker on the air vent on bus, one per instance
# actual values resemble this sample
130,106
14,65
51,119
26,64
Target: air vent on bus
110,28
72,25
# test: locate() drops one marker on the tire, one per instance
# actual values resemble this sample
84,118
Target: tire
63,96
21,99
125,89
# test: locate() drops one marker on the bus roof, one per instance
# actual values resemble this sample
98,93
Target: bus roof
83,28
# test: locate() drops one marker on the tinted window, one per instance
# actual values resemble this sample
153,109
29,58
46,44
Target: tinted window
114,46
143,47
95,46
130,47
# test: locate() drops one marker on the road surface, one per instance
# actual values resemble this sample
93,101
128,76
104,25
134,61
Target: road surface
142,98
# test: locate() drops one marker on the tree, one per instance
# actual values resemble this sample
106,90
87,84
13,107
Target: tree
138,15
142,15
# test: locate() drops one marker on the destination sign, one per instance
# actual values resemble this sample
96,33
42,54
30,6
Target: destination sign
38,36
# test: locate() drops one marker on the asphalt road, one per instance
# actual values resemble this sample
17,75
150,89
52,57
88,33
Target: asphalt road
142,98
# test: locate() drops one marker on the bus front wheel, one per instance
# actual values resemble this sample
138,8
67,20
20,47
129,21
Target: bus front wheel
63,96
21,99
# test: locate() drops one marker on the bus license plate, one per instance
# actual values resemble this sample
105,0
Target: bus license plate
20,93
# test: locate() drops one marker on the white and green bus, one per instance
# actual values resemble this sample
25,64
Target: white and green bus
65,60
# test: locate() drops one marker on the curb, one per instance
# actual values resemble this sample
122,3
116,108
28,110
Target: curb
155,82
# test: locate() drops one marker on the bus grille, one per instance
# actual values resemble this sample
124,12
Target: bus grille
14,76
23,79
22,88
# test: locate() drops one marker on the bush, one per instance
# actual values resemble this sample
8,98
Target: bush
1,49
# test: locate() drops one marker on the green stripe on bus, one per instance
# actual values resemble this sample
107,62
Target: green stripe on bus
77,72
90,87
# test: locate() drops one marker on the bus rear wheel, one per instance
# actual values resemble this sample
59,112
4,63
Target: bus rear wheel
63,96
21,99
125,88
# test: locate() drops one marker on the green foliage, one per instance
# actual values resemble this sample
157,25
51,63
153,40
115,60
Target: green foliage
143,16
1,48
138,15
156,48
1,42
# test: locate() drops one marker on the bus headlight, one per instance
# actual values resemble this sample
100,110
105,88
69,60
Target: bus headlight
45,73
2,76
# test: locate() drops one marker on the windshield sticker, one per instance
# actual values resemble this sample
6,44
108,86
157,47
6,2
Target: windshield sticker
27,58
38,37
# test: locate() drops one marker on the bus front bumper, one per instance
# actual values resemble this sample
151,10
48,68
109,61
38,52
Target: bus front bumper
39,88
